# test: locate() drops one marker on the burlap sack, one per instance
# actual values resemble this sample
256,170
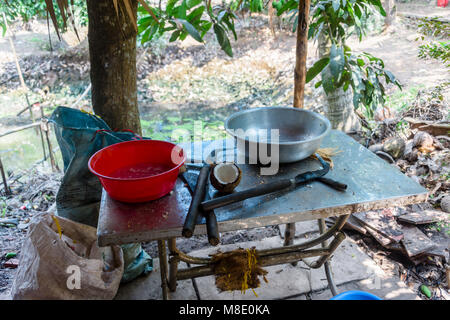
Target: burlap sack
66,265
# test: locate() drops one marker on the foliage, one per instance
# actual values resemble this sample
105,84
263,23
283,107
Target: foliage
362,71
189,17
433,28
336,21
25,10
251,5
437,50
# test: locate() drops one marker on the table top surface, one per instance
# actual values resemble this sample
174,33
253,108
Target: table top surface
372,184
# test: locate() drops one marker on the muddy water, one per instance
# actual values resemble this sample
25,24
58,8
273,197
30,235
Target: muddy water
141,170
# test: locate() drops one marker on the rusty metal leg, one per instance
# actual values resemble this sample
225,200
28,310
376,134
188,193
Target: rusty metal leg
173,264
329,274
163,267
327,264
289,235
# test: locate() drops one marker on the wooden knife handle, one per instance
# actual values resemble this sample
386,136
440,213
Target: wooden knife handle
197,197
334,184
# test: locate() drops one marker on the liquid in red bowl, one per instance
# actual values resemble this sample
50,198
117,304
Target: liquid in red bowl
138,170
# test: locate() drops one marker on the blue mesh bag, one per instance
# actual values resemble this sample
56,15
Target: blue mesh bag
79,136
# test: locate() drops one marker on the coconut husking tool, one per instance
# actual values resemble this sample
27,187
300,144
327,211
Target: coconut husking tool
259,190
198,186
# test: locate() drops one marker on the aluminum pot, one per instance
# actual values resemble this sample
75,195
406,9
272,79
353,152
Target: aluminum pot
300,133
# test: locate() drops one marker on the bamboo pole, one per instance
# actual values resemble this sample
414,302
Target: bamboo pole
301,53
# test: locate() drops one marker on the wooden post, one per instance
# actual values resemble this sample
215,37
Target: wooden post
50,152
7,191
33,120
289,236
301,53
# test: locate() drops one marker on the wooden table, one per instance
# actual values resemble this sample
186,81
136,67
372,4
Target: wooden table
372,184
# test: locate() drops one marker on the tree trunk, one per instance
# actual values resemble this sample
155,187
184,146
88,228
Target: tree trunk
301,53
112,51
339,107
391,12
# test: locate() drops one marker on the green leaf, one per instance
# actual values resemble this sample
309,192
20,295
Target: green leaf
336,5
191,30
346,85
288,5
390,76
195,14
182,10
337,61
144,23
223,40
192,3
379,6
327,82
230,24
221,15
175,35
205,26
146,36
316,68
170,5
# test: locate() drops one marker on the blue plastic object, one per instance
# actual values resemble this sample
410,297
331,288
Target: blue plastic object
355,295
79,136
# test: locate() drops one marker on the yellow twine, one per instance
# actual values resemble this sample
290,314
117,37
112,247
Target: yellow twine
251,263
58,227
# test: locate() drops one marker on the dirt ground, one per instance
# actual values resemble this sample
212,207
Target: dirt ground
182,81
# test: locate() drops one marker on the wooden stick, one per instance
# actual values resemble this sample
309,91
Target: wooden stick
301,53
7,191
32,125
19,71
31,111
198,196
82,96
52,159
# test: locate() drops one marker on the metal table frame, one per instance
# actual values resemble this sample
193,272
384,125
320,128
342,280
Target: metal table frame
289,253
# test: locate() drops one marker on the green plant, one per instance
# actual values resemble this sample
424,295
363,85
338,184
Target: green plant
439,50
252,5
188,17
362,71
433,27
337,20
28,9
4,207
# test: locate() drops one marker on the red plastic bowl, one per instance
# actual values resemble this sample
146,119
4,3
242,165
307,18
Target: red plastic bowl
138,170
